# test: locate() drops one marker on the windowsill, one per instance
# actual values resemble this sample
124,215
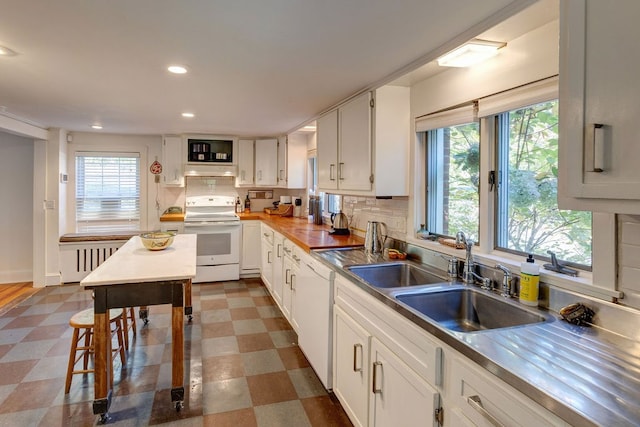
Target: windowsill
582,284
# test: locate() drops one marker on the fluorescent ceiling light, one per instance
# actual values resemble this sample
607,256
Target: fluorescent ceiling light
177,69
96,126
5,51
470,53
309,127
188,115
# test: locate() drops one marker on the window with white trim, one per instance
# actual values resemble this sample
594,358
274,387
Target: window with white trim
527,216
107,191
452,171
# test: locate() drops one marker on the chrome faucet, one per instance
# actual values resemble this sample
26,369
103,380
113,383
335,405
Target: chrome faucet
468,273
506,281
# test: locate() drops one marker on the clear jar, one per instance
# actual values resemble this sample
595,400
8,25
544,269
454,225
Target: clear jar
422,233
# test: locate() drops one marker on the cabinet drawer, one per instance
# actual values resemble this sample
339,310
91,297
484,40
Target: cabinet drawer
482,399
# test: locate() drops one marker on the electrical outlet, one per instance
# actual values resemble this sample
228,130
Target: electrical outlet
157,178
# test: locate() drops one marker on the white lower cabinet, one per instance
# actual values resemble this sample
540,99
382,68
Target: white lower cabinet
399,396
483,400
266,259
351,366
389,372
383,375
251,252
278,257
290,269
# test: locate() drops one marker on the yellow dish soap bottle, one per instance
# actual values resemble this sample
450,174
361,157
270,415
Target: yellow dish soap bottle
529,282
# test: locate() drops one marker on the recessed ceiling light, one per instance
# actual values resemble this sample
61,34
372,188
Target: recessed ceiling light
470,53
177,69
5,51
309,127
188,115
96,126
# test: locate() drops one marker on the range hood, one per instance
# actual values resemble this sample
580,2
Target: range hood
209,170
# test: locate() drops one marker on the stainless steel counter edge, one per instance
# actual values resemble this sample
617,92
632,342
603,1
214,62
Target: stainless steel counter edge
575,372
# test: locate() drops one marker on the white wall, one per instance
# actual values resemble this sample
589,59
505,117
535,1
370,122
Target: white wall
531,57
16,221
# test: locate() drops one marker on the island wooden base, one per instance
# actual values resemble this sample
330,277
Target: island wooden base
132,295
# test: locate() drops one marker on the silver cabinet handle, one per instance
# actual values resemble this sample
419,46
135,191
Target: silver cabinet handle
598,147
331,166
374,384
476,404
286,276
341,171
293,282
269,257
355,358
278,254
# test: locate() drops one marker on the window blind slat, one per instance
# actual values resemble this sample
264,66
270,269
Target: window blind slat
107,191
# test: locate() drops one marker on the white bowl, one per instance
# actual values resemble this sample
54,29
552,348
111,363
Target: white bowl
157,240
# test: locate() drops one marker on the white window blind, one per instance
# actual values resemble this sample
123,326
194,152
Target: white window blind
454,116
533,93
107,191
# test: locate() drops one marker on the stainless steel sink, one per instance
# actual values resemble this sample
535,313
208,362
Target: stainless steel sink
468,309
394,275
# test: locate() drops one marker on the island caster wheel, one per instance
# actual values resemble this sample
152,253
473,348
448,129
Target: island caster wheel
189,318
179,406
104,418
144,315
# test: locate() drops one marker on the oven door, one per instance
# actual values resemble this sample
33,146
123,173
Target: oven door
218,242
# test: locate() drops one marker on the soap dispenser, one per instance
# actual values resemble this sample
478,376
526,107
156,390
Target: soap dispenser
529,282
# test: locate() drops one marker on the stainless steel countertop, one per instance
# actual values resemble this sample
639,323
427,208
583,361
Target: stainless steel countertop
584,375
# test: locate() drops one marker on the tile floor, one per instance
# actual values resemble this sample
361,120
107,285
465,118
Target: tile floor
243,366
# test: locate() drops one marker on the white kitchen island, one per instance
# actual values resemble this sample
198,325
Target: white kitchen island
132,277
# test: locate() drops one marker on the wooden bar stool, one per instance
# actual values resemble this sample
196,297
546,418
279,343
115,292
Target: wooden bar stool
82,324
128,322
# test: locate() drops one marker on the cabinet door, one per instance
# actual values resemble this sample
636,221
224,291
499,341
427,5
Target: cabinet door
598,86
282,162
266,262
278,256
351,367
354,157
296,161
172,174
399,396
267,162
245,162
327,157
251,243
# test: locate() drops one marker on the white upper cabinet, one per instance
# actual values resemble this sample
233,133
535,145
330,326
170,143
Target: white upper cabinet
599,93
245,162
172,162
363,145
266,160
292,161
327,155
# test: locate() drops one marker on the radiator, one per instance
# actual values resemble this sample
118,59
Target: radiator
78,259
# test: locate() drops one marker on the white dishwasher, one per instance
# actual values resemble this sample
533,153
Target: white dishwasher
314,315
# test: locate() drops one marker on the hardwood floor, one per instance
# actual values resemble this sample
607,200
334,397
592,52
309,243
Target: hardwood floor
13,293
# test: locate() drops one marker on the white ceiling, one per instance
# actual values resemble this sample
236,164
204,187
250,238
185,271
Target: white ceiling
257,67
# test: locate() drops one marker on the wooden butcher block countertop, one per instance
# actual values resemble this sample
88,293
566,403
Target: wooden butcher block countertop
304,234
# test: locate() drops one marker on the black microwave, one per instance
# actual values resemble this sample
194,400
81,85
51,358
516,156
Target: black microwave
210,150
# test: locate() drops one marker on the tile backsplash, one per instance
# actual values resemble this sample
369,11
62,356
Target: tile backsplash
629,259
392,212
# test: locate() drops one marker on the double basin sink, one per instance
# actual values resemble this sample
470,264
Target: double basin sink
457,307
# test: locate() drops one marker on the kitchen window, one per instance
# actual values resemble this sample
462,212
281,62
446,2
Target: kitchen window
107,191
527,216
452,172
